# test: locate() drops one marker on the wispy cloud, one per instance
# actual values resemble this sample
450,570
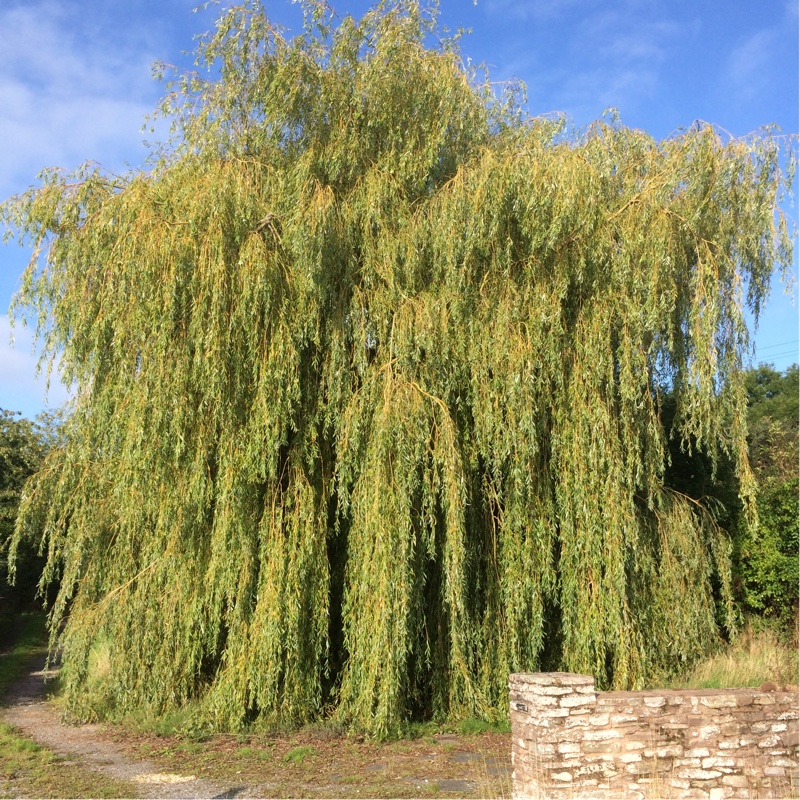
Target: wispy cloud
66,98
624,55
583,56
20,389
76,86
750,64
616,55
537,9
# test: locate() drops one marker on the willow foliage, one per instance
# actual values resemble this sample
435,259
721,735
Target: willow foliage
368,371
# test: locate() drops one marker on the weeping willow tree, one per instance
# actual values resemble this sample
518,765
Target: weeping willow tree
368,368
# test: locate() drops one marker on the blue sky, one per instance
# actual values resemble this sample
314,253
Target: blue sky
75,85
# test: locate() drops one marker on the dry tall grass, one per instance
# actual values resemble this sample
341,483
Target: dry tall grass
756,656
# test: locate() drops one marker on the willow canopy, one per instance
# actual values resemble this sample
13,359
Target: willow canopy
368,369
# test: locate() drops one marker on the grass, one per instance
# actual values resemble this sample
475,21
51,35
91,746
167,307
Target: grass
471,726
326,759
26,768
178,723
299,754
262,754
313,762
759,654
474,727
29,635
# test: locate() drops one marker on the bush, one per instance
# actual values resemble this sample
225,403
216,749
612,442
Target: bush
765,559
23,445
767,556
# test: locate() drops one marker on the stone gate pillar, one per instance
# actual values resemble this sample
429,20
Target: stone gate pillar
546,747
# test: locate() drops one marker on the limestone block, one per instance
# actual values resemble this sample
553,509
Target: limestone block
729,744
720,793
639,768
627,700
670,751
550,713
760,727
563,735
549,679
575,700
600,756
718,761
675,699
719,701
577,720
603,735
634,745
608,747
790,738
782,761
764,700
732,728
737,781
695,774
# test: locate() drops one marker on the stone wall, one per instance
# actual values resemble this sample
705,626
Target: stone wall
569,741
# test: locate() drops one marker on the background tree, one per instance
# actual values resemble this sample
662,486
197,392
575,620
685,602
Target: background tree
23,446
368,370
766,564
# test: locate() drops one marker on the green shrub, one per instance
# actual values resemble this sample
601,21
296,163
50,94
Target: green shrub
767,558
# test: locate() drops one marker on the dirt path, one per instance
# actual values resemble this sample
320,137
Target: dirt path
26,709
312,762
